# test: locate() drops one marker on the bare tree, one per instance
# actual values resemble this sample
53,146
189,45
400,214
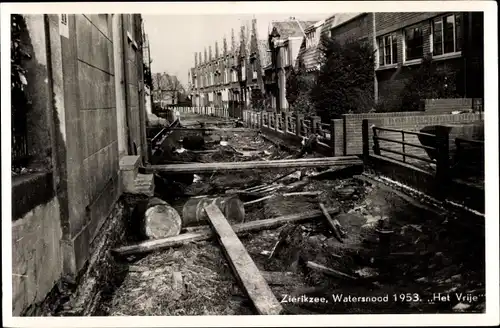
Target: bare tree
167,85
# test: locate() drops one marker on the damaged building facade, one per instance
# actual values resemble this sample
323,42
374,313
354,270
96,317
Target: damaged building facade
229,76
85,114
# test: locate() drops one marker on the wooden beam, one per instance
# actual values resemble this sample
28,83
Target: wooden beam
242,264
328,271
334,224
204,233
251,165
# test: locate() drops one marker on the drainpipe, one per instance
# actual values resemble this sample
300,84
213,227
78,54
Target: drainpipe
375,81
125,83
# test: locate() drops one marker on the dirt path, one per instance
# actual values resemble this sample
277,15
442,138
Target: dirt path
413,268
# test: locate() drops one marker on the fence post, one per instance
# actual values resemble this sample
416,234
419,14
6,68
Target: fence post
299,122
286,119
443,158
376,148
366,141
332,136
315,120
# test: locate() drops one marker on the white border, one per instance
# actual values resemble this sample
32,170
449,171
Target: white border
187,8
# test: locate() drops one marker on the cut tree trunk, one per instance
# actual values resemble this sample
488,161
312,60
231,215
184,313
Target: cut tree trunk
206,233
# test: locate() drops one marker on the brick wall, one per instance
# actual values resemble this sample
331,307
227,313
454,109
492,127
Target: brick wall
414,123
352,128
360,27
442,106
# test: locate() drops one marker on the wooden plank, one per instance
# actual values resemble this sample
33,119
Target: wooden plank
328,271
334,224
243,266
234,166
204,233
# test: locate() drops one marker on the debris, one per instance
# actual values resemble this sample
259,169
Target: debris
193,213
244,268
338,173
366,272
280,278
461,307
258,200
205,233
303,193
334,224
180,150
197,178
177,282
193,142
328,271
265,253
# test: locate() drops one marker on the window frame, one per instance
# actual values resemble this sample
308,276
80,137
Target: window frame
405,44
381,39
442,21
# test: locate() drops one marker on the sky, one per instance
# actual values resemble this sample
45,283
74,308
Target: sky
175,38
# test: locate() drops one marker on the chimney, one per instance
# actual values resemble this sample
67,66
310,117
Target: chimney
195,59
209,52
233,41
242,40
205,55
224,46
199,58
216,49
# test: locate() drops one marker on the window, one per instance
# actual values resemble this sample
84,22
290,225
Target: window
447,34
243,71
414,42
388,49
311,39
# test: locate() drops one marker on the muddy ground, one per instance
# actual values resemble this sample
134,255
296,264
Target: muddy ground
396,258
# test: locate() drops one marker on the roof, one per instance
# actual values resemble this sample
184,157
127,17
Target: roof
290,29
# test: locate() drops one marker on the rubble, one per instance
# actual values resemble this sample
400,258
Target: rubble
388,243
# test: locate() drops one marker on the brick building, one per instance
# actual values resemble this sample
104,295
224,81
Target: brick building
86,112
230,76
284,41
401,40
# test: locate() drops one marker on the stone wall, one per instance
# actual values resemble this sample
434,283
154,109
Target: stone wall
36,255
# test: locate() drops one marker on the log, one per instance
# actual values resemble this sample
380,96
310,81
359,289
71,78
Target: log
193,213
252,165
157,219
334,224
249,276
205,233
328,271
258,200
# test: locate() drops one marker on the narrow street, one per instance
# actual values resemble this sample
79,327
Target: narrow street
194,163
426,253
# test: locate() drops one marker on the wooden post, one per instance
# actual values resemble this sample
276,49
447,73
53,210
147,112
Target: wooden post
376,148
286,121
299,122
366,140
315,120
443,158
332,136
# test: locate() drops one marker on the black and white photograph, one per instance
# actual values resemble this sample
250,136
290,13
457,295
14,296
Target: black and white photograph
272,161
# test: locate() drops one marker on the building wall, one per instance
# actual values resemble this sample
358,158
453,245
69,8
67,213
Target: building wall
54,234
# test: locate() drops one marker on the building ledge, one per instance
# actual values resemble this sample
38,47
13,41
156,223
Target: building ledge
387,67
448,56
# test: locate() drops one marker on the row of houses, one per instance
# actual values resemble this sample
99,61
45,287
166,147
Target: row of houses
400,40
